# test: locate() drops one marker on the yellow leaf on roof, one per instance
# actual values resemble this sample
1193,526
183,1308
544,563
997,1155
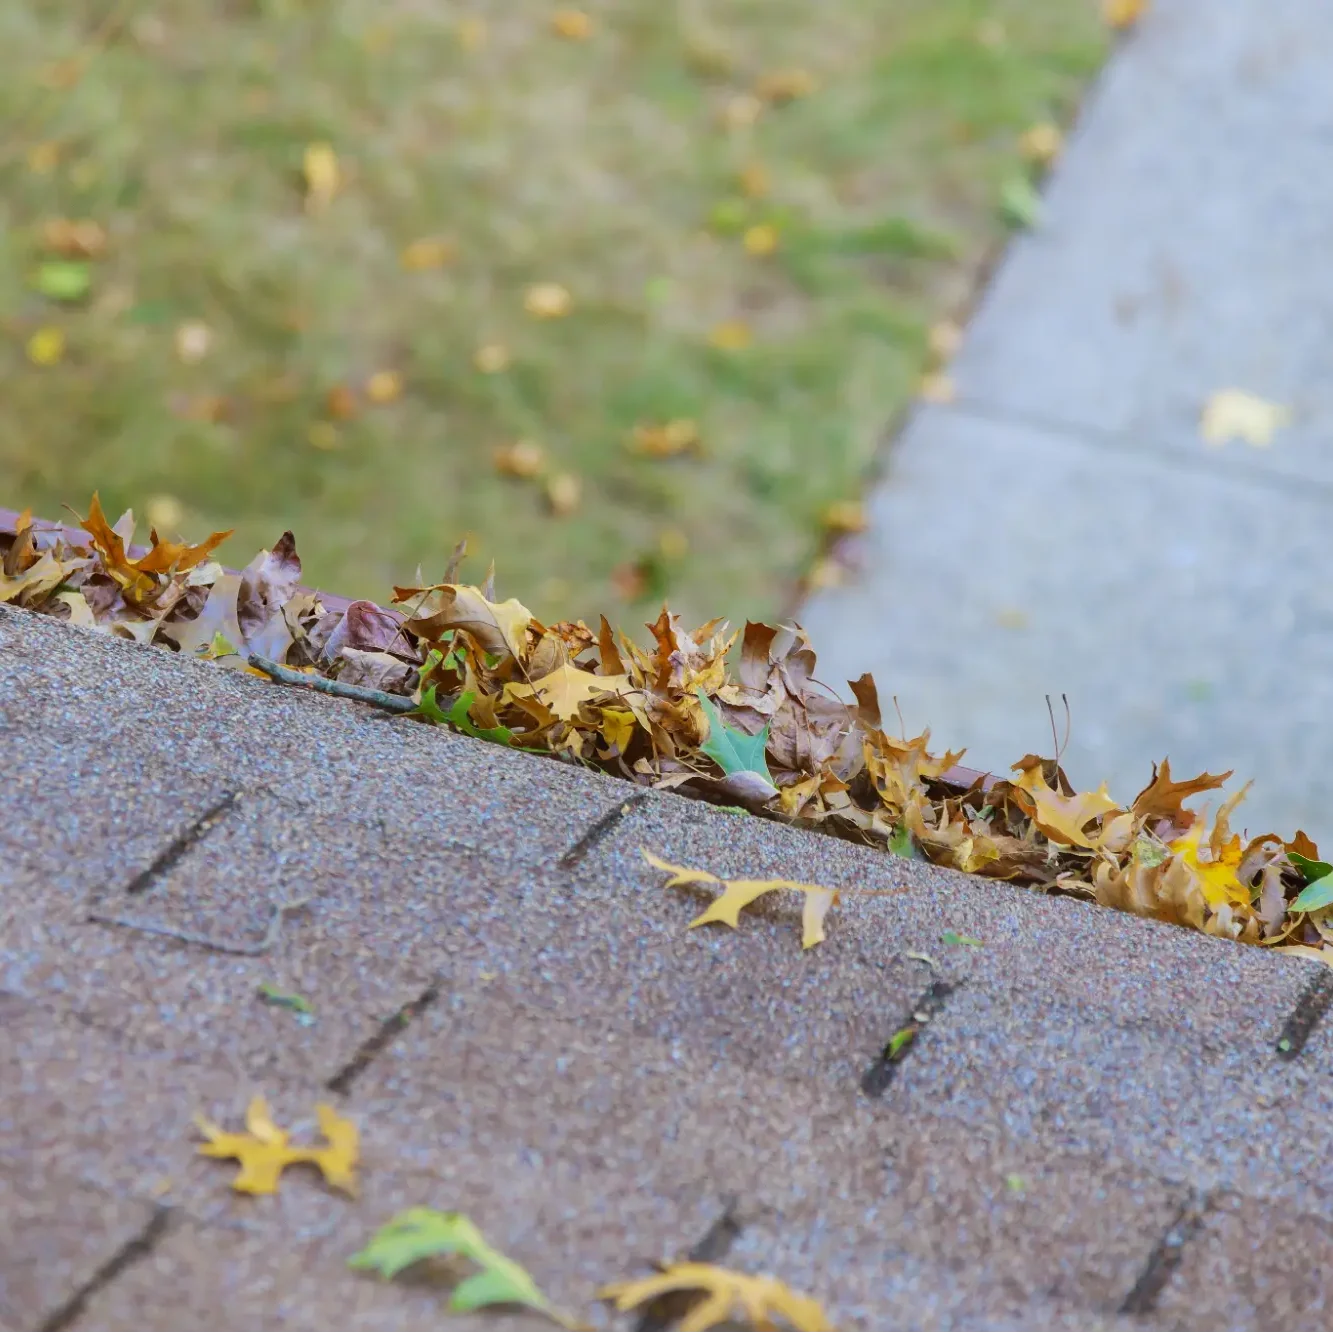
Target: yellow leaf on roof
738,894
1233,414
567,688
265,1151
738,1299
1216,875
1063,818
499,627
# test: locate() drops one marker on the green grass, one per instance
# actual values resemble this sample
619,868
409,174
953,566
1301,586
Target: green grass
603,165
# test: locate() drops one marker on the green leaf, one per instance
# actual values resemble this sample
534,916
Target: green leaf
424,1233
1020,204
64,279
1314,896
459,716
953,937
901,843
429,709
1149,852
298,1004
1311,870
1016,1183
731,750
900,1040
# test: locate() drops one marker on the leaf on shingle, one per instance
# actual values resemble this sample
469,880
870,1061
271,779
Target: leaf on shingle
265,1151
725,1296
737,894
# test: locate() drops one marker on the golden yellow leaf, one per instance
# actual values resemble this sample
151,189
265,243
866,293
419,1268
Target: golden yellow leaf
761,239
46,347
1216,876
753,181
725,1297
1324,955
732,335
193,339
428,252
665,441
322,176
1062,818
1233,414
1041,143
472,34
264,1150
825,573
524,458
547,300
566,689
845,516
384,386
499,627
563,493
784,85
491,358
937,387
738,894
1120,14
617,727
572,24
34,582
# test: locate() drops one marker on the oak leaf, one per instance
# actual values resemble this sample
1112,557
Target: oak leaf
1216,875
264,1150
725,1296
1162,798
737,894
498,627
567,688
1062,818
35,582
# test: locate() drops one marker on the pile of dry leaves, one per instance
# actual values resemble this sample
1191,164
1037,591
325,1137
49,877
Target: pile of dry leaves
751,727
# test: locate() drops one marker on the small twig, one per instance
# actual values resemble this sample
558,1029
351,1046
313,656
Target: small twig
393,703
204,941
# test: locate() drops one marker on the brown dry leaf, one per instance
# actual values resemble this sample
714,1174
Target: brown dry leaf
264,1150
267,584
341,403
725,1297
732,335
84,239
563,493
1121,14
524,458
322,176
1163,799
1233,414
547,300
35,582
491,358
572,24
566,689
1062,818
738,894
427,252
1041,143
498,627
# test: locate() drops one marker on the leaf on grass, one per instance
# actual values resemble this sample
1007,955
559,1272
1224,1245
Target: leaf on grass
734,752
264,1150
1233,414
726,1296
427,1233
738,894
64,279
1020,204
322,176
1122,14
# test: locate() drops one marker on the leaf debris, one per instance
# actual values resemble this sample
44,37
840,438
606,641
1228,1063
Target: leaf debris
265,1151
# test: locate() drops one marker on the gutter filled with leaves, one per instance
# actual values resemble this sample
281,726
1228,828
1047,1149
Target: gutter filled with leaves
735,718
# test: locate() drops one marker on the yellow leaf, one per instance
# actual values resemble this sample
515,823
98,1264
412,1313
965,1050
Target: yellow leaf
937,387
491,358
563,493
732,335
1041,143
567,688
164,513
1120,14
944,340
34,582
264,1150
753,181
738,894
427,253
46,347
573,24
761,239
726,1296
666,441
193,339
499,627
322,435
1324,956
384,386
1233,414
547,300
784,85
617,727
472,34
1216,876
1062,818
322,176
845,516
524,458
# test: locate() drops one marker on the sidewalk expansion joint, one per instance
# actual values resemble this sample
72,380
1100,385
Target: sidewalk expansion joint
136,1248
1165,1257
167,859
599,831
382,1037
668,1309
877,1078
1310,1008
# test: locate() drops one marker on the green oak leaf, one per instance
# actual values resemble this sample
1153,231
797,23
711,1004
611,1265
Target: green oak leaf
731,750
1311,870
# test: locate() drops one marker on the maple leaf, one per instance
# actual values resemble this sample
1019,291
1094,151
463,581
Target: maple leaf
425,1233
1062,818
1216,875
1162,798
738,894
737,754
264,1150
724,1292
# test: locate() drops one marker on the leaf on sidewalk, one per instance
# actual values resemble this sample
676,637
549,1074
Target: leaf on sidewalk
426,1233
265,1151
737,894
725,1296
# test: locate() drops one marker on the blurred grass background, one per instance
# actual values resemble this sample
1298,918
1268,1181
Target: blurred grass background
739,216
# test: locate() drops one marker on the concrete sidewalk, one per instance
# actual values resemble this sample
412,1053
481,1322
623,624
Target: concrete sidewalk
1095,1130
1062,527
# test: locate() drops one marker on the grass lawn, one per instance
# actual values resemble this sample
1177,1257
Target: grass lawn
810,185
